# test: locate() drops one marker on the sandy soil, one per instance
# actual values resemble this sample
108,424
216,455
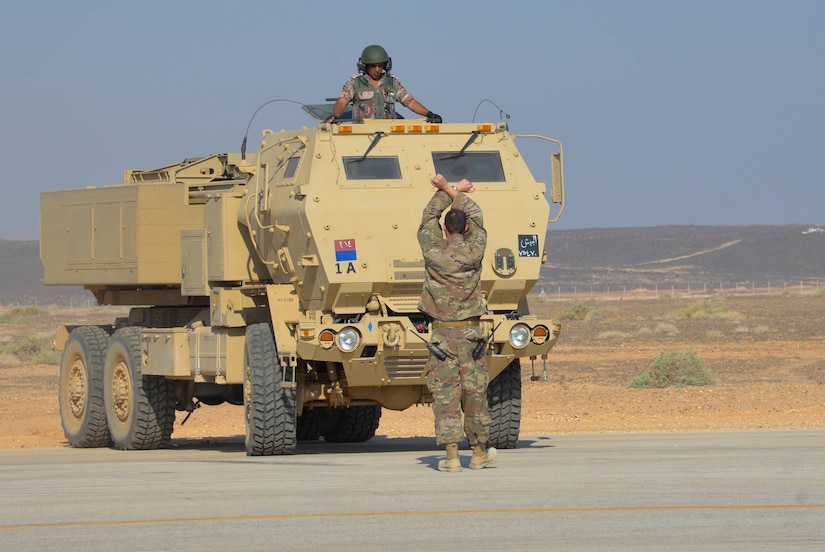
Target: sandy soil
768,353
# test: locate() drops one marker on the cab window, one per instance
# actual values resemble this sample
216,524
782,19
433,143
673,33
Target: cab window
477,166
372,168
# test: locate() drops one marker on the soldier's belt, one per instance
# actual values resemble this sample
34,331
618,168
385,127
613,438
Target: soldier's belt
456,323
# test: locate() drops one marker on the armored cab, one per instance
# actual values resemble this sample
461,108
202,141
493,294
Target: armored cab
287,280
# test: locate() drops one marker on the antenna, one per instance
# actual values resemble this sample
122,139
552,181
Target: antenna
500,111
243,144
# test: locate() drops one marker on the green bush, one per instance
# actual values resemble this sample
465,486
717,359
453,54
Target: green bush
581,311
708,309
31,350
20,315
676,368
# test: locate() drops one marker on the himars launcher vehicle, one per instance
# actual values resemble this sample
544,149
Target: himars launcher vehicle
286,280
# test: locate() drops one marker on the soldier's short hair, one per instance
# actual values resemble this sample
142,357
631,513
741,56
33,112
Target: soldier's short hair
455,221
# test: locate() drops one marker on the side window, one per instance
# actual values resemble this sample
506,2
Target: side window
291,167
286,171
477,166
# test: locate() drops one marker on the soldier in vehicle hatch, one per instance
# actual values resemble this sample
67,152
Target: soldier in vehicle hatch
452,298
374,91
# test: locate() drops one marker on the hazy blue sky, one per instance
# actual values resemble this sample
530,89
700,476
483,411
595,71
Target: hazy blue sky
671,112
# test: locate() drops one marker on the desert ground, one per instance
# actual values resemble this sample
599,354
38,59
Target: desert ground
766,351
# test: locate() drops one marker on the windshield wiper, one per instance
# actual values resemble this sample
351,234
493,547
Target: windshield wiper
378,136
467,145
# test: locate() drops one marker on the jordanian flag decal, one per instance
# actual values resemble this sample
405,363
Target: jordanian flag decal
345,250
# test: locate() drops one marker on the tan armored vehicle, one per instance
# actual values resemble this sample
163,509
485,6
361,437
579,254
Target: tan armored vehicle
287,280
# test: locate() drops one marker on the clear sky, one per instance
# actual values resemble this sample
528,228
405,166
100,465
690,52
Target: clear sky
670,111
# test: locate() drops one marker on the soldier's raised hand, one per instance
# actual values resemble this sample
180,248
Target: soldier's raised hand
465,186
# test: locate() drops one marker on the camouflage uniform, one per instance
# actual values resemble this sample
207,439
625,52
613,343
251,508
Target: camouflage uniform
452,292
371,102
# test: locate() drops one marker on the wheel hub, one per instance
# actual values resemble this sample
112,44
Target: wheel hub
77,389
121,391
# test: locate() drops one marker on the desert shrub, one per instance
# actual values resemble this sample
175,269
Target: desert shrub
666,328
582,311
676,368
20,315
708,309
613,334
538,298
820,292
31,350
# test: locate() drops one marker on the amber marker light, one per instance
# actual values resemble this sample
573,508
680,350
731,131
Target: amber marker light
433,128
346,129
416,128
487,127
540,334
397,128
327,339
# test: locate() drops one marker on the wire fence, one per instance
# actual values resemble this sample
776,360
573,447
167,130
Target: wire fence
680,289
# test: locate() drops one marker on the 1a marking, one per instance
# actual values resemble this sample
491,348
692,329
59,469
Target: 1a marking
350,268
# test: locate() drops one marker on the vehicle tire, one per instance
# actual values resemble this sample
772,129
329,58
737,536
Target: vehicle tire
307,425
504,398
356,424
140,409
268,405
82,412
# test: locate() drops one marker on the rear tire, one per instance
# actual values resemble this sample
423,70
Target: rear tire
140,410
307,425
268,405
356,424
504,398
82,409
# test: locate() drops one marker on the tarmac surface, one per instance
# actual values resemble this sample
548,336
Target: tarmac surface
744,490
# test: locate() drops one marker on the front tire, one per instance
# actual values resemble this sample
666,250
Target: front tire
82,409
504,399
140,409
269,406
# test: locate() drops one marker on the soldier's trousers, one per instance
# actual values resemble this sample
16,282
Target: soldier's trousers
458,384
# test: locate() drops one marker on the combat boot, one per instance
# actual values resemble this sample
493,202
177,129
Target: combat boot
481,457
451,463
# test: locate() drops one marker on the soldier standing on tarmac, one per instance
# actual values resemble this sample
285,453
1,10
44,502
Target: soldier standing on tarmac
374,91
452,298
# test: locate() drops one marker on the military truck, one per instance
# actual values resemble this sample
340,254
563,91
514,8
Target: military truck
287,280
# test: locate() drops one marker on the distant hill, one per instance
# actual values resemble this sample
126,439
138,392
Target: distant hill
633,257
21,278
648,256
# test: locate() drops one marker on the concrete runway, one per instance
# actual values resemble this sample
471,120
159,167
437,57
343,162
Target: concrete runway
758,490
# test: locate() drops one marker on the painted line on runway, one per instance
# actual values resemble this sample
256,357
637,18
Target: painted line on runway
424,513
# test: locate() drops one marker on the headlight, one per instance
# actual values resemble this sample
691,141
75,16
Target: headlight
348,339
519,336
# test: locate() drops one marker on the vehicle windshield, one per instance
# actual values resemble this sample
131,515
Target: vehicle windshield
372,168
477,166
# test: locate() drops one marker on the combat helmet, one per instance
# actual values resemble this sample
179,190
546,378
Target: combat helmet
374,54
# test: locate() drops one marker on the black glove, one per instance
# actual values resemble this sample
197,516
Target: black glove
433,117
